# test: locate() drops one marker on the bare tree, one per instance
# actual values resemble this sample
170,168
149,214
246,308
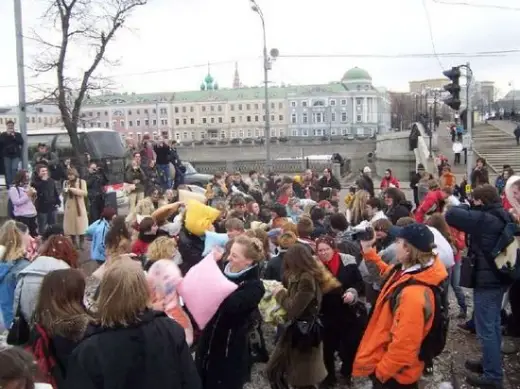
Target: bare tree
402,109
84,29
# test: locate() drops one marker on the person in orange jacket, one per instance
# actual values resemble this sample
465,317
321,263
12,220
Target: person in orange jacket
447,179
389,350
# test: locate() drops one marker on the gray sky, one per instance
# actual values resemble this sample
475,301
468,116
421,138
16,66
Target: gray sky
169,34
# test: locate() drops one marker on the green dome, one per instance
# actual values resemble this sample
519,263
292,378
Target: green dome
355,74
208,79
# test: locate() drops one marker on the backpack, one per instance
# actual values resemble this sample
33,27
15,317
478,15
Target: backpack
435,341
506,253
41,348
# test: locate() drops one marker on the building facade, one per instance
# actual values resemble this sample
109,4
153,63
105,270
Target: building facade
352,107
39,116
418,87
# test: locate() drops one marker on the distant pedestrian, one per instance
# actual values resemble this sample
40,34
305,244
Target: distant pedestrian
517,135
457,149
11,143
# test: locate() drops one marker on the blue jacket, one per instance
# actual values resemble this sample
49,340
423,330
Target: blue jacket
98,230
8,277
484,225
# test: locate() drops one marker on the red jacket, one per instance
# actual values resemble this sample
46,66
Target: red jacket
139,247
431,203
460,242
385,182
505,202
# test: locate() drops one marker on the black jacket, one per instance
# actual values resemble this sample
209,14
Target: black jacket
162,153
191,248
365,183
47,196
402,209
274,267
484,225
151,353
11,145
222,358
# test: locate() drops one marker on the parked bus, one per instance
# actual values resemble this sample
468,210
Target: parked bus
104,146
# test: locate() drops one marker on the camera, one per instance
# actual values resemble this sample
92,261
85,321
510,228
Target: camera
364,231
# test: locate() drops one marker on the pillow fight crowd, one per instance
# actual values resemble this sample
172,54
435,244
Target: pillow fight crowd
187,284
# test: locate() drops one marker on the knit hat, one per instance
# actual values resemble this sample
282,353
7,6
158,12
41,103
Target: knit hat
417,235
366,169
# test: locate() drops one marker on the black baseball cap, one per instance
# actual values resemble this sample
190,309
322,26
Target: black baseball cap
418,235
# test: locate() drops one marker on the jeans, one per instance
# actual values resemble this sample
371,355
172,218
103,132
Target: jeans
455,284
179,179
46,219
31,224
10,167
488,303
164,176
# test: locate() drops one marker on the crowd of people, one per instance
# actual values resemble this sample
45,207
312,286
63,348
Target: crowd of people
186,284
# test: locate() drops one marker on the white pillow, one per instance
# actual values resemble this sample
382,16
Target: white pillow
443,249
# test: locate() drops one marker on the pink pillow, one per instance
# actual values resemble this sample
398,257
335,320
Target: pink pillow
203,289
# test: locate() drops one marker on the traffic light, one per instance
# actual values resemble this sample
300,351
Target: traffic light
454,88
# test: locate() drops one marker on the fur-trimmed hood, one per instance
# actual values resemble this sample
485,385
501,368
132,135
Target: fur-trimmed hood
72,327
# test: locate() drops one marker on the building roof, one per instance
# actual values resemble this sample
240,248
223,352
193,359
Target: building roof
355,74
129,98
512,95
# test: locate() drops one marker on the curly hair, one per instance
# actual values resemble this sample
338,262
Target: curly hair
61,247
161,248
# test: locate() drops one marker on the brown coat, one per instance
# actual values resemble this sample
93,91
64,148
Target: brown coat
301,299
75,217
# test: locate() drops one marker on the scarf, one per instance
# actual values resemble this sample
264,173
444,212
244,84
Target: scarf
234,276
333,264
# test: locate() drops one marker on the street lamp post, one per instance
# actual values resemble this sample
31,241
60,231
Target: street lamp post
267,67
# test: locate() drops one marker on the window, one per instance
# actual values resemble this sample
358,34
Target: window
359,101
232,119
99,114
263,118
184,135
177,122
240,107
192,121
249,133
146,122
343,101
130,123
294,132
248,106
164,122
273,132
333,131
272,118
184,121
358,87
343,117
106,113
305,132
192,134
305,118
332,103
146,111
203,108
233,134
184,109
256,118
241,133
272,106
280,117
256,106
257,132
220,119
318,118
219,108
304,104
129,112
204,121
154,122
191,109
343,131
122,123
212,108
138,123
333,116
154,111
176,109
280,105
248,118
163,111
232,107
293,118
358,118
223,135
293,104
212,120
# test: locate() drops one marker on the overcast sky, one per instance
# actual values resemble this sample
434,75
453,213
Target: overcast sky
170,34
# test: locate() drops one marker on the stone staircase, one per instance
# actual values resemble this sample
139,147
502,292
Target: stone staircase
497,146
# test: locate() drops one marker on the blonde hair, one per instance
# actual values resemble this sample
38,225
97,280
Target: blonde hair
123,294
12,239
358,206
253,248
417,257
161,248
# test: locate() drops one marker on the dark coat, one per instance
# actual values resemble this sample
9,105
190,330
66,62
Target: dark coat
479,177
301,300
365,183
274,268
151,353
191,248
222,358
484,225
400,210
